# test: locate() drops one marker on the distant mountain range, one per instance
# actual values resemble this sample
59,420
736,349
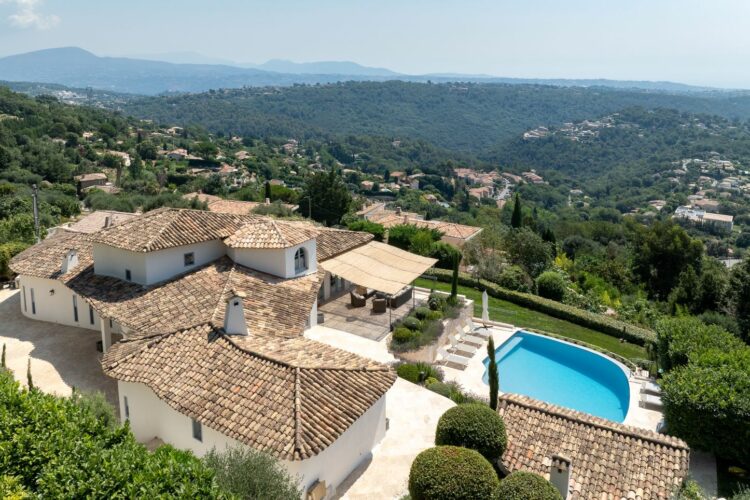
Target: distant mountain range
76,67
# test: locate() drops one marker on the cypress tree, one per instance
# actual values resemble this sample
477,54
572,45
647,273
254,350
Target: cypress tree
2,360
516,220
28,375
492,374
268,190
454,279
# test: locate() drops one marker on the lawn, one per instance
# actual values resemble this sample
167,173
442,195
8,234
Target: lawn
507,312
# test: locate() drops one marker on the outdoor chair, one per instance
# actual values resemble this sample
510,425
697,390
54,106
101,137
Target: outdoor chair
402,297
357,300
379,305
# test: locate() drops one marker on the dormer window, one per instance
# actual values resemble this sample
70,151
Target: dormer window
128,276
300,260
189,259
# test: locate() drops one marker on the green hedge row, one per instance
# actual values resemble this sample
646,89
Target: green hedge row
56,448
599,322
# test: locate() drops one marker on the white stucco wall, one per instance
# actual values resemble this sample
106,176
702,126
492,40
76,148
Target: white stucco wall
56,307
278,262
150,417
110,261
148,268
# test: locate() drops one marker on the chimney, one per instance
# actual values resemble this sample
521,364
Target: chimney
108,221
69,262
234,316
559,474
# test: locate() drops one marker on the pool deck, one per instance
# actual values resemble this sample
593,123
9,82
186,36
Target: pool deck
470,379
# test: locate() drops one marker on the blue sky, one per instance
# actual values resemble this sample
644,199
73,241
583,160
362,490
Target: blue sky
704,42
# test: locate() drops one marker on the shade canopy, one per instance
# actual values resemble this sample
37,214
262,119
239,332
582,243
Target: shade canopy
381,267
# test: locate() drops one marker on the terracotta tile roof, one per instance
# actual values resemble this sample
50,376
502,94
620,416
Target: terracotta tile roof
274,307
221,205
95,221
293,409
44,260
333,242
169,227
96,176
450,229
269,233
608,460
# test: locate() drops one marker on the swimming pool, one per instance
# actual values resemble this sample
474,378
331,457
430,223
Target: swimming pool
563,374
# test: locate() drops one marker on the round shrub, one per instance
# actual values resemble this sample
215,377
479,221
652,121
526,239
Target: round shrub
430,380
527,486
515,278
451,472
409,372
422,312
411,323
441,388
434,316
435,302
551,285
474,426
403,334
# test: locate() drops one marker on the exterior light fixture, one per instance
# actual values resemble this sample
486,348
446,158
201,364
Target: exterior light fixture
52,291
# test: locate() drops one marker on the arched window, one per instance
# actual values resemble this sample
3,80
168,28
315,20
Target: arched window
300,260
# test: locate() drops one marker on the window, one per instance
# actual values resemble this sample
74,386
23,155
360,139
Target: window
25,306
91,315
189,259
128,276
33,302
197,430
300,260
127,407
75,308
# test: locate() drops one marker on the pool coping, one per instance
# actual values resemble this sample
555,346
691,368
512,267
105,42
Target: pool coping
471,378
627,372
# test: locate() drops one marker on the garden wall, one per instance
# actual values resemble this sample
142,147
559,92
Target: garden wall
428,353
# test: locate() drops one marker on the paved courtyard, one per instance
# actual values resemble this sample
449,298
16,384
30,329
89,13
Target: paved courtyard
362,321
62,357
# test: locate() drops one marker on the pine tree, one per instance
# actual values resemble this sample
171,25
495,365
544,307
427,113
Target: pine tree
516,220
28,375
492,374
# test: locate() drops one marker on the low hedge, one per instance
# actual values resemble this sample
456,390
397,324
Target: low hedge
475,426
527,486
452,473
599,322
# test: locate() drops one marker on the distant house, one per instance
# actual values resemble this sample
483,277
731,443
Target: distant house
277,182
708,205
532,177
242,155
367,185
701,217
453,234
89,180
177,154
482,192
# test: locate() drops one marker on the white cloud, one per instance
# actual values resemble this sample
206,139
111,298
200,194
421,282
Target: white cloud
27,15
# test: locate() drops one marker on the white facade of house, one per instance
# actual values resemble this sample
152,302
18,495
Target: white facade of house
49,300
151,417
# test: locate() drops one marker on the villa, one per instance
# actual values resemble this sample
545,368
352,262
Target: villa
201,318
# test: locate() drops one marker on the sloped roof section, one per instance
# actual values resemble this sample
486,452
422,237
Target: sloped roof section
332,242
95,221
168,227
269,233
44,260
608,460
274,307
241,387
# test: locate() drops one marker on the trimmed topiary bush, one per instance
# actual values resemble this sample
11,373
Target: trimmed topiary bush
474,426
411,323
527,486
409,372
422,312
403,334
451,473
440,388
551,285
434,315
435,302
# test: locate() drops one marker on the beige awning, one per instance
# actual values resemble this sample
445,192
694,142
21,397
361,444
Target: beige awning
381,267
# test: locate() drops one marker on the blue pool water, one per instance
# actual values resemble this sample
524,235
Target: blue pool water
563,374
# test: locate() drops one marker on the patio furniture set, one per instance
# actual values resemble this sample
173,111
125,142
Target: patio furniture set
380,301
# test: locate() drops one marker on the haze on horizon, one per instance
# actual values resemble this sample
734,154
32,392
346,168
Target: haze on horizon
687,41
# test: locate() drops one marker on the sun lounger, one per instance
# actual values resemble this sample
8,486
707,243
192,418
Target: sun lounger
473,339
468,349
482,332
650,387
651,401
447,357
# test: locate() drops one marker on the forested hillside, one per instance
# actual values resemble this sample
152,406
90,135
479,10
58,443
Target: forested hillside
467,117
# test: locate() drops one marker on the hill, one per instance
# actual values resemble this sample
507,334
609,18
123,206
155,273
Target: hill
466,117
